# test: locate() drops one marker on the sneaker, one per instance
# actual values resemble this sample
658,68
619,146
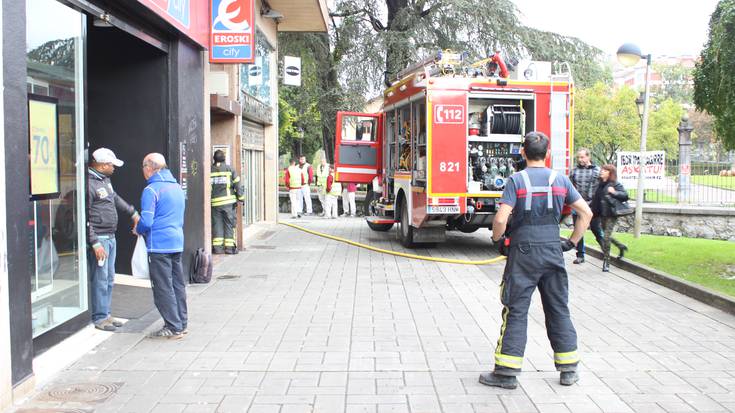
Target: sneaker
579,260
165,332
114,321
352,215
334,217
104,325
567,378
497,380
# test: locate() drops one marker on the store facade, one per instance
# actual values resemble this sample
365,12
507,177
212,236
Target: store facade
86,74
251,134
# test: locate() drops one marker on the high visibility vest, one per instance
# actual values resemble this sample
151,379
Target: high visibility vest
336,189
295,177
322,173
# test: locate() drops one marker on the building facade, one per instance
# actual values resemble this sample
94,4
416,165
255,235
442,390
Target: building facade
79,75
244,110
134,77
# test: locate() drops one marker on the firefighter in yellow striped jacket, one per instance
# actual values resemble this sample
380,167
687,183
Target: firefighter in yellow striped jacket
227,190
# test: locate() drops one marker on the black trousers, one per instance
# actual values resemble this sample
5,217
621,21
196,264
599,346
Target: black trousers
169,289
530,266
223,226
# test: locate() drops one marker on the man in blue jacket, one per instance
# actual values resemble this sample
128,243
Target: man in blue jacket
162,225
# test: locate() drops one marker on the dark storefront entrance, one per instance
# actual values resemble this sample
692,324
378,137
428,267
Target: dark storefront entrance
127,101
134,86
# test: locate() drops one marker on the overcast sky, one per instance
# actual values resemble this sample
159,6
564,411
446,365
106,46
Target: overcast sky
660,27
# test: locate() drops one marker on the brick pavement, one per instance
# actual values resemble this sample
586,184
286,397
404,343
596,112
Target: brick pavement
315,325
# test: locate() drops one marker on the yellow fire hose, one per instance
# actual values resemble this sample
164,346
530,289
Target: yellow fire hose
396,253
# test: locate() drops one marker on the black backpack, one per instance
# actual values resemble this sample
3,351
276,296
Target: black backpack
201,272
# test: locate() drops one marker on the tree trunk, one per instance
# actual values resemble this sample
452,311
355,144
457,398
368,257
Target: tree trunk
397,55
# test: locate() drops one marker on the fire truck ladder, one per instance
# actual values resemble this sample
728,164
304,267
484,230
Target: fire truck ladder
559,112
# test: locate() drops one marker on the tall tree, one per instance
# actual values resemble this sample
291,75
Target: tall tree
714,83
606,121
370,41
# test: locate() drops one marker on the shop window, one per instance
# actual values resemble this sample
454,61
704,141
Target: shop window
56,226
256,78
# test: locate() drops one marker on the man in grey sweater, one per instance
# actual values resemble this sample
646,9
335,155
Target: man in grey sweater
102,206
584,178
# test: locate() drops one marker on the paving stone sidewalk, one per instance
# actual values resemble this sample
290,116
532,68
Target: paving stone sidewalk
298,323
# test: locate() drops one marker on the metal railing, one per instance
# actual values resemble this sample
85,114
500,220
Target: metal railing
707,187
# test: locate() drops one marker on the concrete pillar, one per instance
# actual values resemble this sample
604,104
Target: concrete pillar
6,384
685,158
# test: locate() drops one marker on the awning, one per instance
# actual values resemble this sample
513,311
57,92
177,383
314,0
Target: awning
301,15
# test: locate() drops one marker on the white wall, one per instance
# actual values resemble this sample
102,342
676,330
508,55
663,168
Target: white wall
5,370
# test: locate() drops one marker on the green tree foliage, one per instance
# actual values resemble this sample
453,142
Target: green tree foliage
606,121
370,41
662,124
714,82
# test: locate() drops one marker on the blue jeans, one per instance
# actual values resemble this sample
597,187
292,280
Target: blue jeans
169,289
595,227
103,278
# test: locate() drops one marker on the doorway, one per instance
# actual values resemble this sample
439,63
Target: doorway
127,112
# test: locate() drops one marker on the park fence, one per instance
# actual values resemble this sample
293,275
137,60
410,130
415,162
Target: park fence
710,184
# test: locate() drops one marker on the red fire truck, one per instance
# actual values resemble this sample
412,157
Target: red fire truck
448,136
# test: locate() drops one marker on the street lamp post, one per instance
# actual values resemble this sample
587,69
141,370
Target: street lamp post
629,55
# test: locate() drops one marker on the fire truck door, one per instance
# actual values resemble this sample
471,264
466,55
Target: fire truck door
358,145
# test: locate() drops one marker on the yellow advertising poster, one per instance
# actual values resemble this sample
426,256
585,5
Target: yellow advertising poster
44,148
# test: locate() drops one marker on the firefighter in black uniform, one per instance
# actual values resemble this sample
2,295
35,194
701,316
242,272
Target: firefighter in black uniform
535,197
226,191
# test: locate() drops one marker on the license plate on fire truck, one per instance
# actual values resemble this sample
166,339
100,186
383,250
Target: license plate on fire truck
442,209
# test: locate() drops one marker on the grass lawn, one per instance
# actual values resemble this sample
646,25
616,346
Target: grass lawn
724,182
705,262
653,195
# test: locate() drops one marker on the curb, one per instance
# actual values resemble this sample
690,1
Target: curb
697,292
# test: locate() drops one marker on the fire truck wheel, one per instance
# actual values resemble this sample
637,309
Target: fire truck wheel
405,230
468,229
369,211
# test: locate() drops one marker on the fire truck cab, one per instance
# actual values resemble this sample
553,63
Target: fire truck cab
438,154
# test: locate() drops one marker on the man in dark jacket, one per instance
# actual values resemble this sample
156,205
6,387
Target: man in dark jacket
226,192
162,224
584,178
102,206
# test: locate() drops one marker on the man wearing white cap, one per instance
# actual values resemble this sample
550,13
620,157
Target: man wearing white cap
102,206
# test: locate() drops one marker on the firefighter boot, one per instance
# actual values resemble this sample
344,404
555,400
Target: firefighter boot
231,250
497,380
567,378
218,250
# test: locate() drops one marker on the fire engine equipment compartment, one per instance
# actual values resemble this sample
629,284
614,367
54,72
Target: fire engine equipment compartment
496,126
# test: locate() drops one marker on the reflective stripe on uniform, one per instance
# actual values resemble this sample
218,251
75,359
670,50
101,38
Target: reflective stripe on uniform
218,242
505,360
566,358
229,242
224,200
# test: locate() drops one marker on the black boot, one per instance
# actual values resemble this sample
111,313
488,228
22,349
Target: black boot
497,380
605,265
579,260
623,250
218,250
567,378
231,250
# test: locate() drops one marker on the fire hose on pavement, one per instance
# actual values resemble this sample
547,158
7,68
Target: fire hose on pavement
396,253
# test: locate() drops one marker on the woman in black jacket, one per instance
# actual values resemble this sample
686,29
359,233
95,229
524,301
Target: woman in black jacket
609,192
